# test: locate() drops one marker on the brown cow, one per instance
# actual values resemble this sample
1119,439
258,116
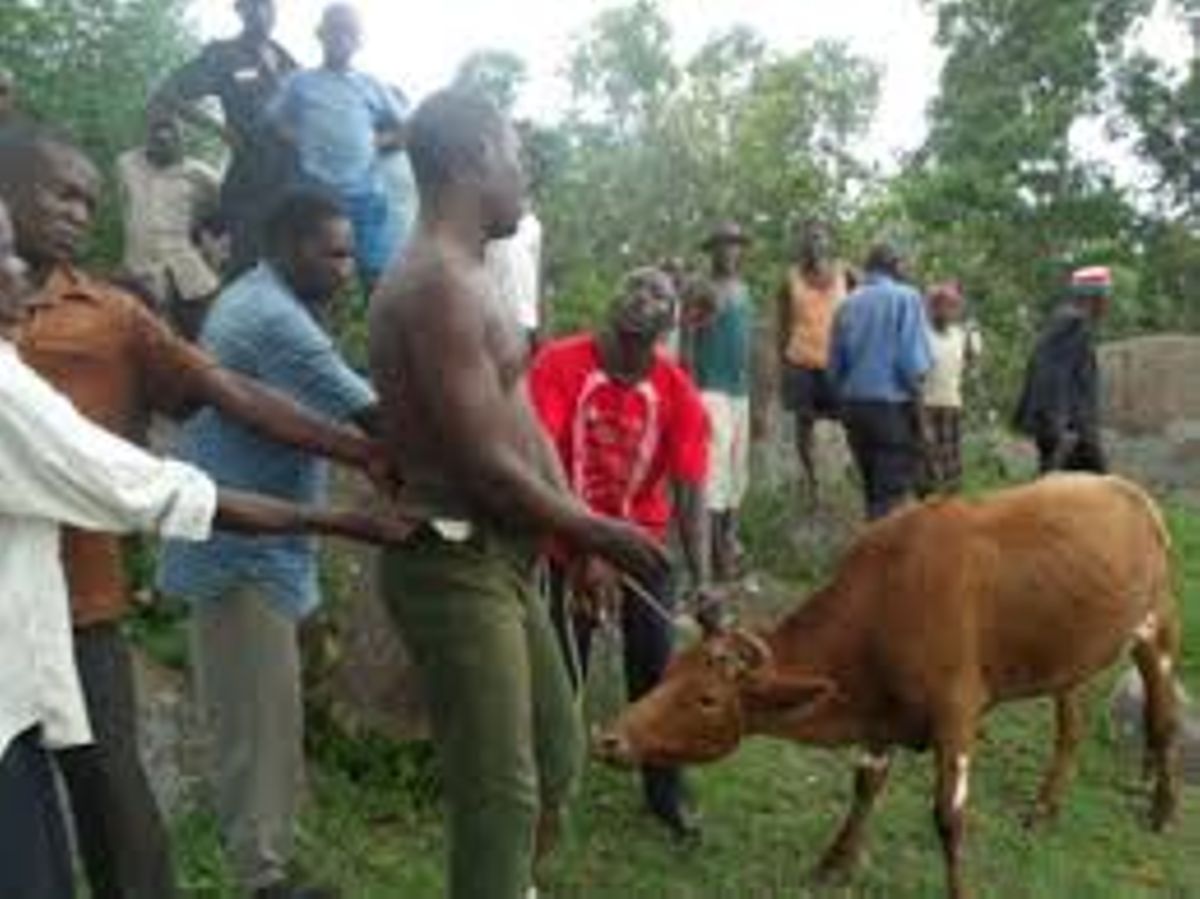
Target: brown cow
935,615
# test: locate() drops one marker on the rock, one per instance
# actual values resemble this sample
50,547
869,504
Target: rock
357,667
1125,713
1152,410
171,734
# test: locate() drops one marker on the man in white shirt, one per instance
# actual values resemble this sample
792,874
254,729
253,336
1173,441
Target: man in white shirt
164,196
56,466
514,265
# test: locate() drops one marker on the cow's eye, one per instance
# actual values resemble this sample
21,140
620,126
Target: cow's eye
708,702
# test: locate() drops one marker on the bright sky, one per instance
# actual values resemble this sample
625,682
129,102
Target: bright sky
419,47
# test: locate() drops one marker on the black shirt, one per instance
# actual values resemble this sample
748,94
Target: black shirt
1062,381
244,78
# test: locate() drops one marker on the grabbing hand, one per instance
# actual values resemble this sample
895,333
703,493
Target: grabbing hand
596,585
627,547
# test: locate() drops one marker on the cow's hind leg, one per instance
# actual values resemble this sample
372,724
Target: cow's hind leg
1155,652
1068,723
870,775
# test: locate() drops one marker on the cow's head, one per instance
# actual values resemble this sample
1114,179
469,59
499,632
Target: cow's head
706,703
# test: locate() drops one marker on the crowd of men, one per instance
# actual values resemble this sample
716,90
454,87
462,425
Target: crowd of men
507,456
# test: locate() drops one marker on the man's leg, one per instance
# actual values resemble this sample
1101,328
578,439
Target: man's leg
896,458
247,666
856,420
647,649
121,834
719,487
36,857
463,610
574,630
369,219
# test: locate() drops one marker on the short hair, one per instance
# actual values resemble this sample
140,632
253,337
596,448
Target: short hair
24,144
449,134
298,216
884,257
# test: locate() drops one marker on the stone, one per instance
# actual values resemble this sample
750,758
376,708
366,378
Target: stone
357,668
1126,703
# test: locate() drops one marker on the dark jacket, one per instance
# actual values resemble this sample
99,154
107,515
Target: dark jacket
1062,381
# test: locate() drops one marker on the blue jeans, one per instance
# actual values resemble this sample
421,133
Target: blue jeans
372,232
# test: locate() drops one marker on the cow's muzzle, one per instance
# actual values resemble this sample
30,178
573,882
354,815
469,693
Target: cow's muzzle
613,748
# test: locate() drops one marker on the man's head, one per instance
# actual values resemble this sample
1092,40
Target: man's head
814,246
258,18
51,190
466,160
310,243
1091,289
643,310
945,304
8,95
884,259
14,288
725,246
340,34
164,140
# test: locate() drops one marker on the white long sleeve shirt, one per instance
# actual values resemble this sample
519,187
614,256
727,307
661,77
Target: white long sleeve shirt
56,466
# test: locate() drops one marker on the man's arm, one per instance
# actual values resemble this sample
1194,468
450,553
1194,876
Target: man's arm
277,417
484,443
250,513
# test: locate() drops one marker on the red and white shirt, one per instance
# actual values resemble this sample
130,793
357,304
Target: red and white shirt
621,444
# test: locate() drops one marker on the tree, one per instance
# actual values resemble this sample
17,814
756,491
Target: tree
497,74
87,67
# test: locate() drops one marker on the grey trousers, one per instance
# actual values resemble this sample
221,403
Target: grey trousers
246,663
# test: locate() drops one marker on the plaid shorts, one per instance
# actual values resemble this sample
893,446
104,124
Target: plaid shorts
943,466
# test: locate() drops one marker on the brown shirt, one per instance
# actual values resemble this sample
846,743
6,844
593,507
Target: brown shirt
117,363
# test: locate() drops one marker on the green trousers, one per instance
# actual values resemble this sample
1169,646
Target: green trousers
508,733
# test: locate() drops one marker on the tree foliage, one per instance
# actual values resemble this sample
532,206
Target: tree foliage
87,67
656,149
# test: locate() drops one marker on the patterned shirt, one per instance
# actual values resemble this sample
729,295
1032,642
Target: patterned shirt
620,443
260,329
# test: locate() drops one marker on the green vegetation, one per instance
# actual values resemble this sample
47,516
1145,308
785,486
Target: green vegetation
374,826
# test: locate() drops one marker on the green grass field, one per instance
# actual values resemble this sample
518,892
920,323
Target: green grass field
374,828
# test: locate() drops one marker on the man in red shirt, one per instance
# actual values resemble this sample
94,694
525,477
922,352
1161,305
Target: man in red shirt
627,422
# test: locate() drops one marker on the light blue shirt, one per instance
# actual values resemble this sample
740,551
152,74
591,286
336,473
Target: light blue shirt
259,328
334,117
880,348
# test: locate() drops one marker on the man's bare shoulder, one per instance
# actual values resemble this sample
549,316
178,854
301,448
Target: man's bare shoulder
431,282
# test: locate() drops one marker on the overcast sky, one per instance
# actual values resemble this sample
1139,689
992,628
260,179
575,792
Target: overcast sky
418,45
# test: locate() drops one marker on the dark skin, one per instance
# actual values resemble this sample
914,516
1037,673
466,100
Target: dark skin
164,142
53,202
814,261
340,34
449,363
258,21
639,318
236,510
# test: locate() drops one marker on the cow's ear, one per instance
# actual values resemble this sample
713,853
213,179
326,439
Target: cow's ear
777,691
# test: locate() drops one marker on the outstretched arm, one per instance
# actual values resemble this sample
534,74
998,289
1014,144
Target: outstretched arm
486,432
251,513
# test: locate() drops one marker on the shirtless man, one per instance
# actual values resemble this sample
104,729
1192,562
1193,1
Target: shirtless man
448,363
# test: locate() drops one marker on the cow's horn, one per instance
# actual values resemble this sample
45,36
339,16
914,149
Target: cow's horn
753,648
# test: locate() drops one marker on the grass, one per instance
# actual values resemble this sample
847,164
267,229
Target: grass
374,827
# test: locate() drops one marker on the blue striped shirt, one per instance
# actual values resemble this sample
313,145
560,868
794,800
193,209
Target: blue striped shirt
259,328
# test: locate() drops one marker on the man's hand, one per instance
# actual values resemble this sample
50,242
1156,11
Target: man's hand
626,546
381,471
384,528
596,585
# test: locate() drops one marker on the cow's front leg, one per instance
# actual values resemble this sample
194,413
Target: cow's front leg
953,761
870,775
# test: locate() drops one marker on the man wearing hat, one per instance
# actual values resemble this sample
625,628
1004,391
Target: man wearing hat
1060,402
719,358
